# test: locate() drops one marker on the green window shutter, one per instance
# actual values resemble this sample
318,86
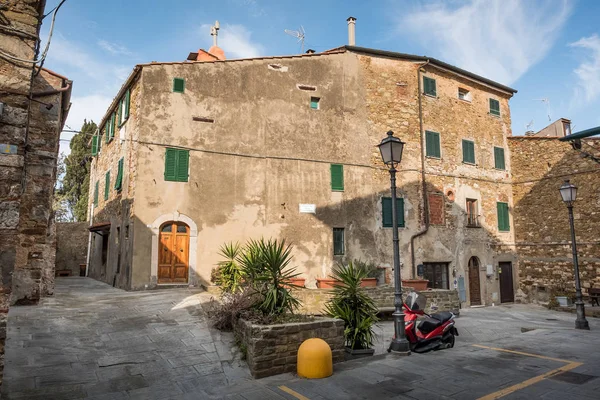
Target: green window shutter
178,85
468,151
337,177
494,107
107,132
95,145
183,163
119,180
96,194
120,112
503,219
432,144
499,158
429,86
127,101
386,210
112,125
338,241
106,185
170,165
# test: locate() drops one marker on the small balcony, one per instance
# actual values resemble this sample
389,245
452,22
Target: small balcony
473,221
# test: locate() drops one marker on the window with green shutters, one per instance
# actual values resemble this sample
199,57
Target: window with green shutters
119,180
106,185
337,177
468,148
494,107
95,145
177,165
429,86
338,242
124,108
178,85
432,144
499,158
386,211
503,220
96,194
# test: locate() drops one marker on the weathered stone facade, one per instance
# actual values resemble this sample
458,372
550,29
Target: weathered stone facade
273,349
543,241
71,246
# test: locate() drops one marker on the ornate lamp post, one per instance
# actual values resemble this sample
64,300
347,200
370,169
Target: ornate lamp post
568,192
391,152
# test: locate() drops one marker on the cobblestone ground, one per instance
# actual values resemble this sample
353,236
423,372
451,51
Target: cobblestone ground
95,342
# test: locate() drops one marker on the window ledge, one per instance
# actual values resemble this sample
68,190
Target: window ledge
430,95
465,100
473,226
469,163
434,157
494,115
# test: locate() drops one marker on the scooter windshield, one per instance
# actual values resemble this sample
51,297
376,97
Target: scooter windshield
416,301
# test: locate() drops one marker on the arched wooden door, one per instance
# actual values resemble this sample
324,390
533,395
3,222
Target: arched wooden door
173,253
474,287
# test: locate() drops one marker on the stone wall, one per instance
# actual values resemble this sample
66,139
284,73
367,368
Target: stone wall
71,246
542,233
273,349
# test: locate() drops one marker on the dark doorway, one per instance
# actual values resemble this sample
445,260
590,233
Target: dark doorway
436,274
105,237
507,293
474,286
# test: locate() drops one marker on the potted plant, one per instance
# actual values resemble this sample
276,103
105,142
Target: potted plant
416,284
228,275
295,283
326,283
352,305
372,273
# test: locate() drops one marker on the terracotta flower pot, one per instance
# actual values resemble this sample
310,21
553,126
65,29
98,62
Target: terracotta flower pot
368,282
297,282
326,283
416,284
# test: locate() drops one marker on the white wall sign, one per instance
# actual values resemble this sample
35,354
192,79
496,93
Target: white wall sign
308,208
490,269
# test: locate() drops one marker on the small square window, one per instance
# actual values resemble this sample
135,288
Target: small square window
429,86
338,242
494,107
314,103
178,85
464,94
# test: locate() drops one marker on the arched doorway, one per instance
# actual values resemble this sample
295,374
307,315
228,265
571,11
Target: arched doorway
474,288
173,252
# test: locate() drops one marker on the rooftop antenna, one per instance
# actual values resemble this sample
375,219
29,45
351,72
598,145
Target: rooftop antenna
529,126
546,101
299,34
214,32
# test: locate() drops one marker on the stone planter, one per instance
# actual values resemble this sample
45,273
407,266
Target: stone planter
368,282
326,283
354,354
273,349
297,282
564,301
416,284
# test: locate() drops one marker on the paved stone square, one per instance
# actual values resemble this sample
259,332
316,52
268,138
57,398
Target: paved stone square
91,341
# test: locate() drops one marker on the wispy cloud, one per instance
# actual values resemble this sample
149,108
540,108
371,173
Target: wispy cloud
588,72
500,40
114,48
235,40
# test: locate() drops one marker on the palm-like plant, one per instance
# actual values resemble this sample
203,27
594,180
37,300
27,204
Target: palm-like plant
351,304
230,275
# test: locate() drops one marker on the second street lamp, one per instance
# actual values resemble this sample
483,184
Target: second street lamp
568,192
391,153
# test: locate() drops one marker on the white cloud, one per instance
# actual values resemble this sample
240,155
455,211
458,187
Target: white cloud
588,72
235,40
500,40
114,48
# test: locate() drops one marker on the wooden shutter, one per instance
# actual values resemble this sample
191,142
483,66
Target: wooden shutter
183,162
400,212
119,180
494,107
432,144
106,130
386,211
468,151
429,86
499,158
106,185
112,126
178,85
96,194
170,165
127,101
337,177
95,145
503,220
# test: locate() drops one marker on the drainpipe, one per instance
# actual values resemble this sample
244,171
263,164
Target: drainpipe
423,181
52,91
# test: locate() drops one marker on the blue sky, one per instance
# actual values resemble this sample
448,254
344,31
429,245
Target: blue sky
545,49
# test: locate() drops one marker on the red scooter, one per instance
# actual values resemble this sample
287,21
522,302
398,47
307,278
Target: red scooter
435,332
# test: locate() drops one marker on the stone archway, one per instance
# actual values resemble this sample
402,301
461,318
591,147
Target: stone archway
155,228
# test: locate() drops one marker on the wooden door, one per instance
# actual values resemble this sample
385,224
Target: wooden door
474,286
173,253
507,294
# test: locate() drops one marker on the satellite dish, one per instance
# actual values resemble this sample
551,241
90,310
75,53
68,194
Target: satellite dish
299,34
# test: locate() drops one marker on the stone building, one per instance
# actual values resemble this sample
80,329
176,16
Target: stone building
198,153
541,162
34,104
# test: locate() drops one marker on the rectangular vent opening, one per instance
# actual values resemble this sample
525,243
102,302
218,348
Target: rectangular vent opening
307,87
203,119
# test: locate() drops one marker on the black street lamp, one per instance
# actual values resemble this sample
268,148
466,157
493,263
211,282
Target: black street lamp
391,152
568,192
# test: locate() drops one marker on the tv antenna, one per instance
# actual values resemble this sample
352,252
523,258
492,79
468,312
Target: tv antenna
546,101
529,126
299,34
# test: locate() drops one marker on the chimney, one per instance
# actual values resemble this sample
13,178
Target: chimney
310,51
351,31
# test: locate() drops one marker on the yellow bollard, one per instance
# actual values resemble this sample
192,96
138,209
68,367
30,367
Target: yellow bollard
314,359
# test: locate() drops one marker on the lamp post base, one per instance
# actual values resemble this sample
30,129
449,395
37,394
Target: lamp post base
399,347
582,324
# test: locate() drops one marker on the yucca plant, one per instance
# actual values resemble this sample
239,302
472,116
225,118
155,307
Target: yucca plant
351,304
230,275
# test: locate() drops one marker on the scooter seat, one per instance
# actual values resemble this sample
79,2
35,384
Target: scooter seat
442,316
428,324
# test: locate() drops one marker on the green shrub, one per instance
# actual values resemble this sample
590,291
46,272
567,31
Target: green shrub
224,314
229,274
351,304
370,268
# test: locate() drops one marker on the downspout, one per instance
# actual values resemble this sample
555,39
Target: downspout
423,181
52,91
